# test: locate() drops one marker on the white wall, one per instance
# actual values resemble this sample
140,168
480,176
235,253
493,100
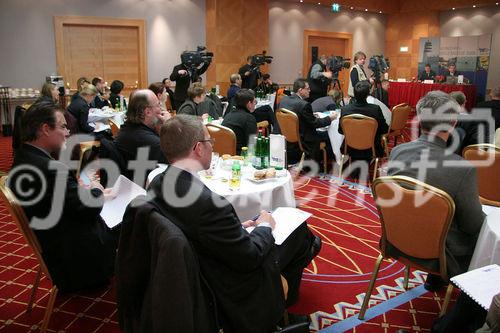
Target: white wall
473,22
287,22
27,43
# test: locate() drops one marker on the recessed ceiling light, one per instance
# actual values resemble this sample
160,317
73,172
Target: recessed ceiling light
380,11
301,0
319,3
473,6
353,7
453,8
366,10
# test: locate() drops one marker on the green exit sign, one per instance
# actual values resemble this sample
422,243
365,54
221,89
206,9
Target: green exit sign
336,8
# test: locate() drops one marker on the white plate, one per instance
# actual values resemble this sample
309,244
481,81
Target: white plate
258,181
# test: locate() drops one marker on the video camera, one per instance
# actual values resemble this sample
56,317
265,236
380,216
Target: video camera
260,59
378,64
193,59
336,64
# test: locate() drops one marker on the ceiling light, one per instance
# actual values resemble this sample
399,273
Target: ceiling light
453,8
301,0
319,3
473,6
353,7
380,11
366,10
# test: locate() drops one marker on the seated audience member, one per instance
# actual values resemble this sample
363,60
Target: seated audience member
330,102
99,84
469,131
437,113
195,95
168,87
240,119
243,269
235,80
308,123
105,97
427,74
144,115
80,84
79,108
49,93
494,105
267,86
212,105
159,90
115,96
360,106
77,247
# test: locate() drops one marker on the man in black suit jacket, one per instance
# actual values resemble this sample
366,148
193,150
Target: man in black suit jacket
77,247
451,72
183,78
243,269
360,106
249,75
427,74
308,123
144,116
493,105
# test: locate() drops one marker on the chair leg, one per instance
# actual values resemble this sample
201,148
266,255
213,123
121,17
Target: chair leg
407,276
36,283
375,169
325,161
361,314
446,301
341,168
395,140
301,164
50,308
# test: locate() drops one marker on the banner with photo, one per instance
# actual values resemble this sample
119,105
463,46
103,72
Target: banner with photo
470,54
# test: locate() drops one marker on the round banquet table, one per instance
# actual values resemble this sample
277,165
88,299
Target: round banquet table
251,197
487,249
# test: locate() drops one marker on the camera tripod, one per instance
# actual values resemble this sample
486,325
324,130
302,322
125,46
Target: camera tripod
336,83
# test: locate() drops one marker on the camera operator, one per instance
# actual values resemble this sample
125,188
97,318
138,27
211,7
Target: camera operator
357,72
182,76
249,75
318,78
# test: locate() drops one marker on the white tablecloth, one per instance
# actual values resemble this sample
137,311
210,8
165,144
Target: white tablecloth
251,197
266,101
487,249
336,138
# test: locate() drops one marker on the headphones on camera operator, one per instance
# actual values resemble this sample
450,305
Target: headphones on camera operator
193,59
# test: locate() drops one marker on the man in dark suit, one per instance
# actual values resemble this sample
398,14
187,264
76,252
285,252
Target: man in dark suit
77,247
437,113
360,106
240,119
183,78
308,123
144,116
493,105
235,80
427,74
99,84
451,72
243,269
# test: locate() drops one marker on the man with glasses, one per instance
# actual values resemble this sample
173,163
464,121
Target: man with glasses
308,123
243,269
77,247
144,116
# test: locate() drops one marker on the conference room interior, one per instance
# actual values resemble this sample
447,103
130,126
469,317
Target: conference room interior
140,42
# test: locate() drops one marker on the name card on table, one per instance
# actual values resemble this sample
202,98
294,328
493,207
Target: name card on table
401,80
277,150
428,81
460,79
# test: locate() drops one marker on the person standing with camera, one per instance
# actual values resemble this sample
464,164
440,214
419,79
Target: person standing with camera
357,72
319,79
182,77
249,75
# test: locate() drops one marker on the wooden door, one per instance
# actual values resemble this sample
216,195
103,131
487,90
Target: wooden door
329,44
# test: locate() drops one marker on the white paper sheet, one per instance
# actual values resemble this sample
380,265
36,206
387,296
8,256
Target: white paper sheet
287,220
123,192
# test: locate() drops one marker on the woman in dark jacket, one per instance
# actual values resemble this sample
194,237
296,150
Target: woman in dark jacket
115,97
79,109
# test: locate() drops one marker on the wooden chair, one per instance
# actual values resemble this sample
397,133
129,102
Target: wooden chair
17,213
114,128
486,158
86,154
279,95
225,139
263,125
289,124
359,133
416,225
168,103
399,119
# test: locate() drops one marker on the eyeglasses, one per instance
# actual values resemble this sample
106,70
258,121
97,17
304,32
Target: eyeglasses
211,140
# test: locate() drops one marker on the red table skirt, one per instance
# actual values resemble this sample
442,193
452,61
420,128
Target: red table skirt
411,92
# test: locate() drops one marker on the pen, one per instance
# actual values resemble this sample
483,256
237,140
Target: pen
255,218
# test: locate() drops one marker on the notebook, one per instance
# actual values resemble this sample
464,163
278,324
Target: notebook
480,284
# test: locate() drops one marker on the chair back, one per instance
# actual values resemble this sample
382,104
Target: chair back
359,132
289,125
264,125
488,180
415,218
114,128
168,103
279,95
22,223
399,118
225,139
17,139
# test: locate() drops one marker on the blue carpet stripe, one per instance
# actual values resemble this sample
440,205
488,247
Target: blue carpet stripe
375,311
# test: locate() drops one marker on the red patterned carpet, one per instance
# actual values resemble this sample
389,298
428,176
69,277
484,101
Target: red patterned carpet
332,287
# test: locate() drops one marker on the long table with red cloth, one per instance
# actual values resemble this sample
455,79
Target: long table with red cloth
411,92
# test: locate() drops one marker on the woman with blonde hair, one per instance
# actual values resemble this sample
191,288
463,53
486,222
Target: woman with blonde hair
49,93
79,108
